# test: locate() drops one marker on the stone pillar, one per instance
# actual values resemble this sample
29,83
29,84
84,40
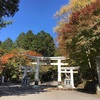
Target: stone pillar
59,71
98,68
3,79
37,73
72,78
25,73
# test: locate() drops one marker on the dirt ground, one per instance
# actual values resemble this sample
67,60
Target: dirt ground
18,92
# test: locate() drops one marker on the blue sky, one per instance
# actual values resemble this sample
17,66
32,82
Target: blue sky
35,15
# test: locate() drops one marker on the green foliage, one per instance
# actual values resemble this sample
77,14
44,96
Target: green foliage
16,58
0,43
11,73
4,23
26,41
57,52
44,44
79,37
29,41
7,8
1,52
7,45
13,54
48,73
20,40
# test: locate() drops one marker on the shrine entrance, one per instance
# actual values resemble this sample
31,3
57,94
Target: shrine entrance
69,71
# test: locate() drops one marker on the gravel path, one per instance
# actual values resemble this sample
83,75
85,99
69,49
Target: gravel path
26,93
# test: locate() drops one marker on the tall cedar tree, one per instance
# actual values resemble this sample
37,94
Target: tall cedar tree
44,44
7,45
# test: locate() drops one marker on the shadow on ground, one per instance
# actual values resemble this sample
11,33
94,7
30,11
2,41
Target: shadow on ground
20,90
10,90
85,91
90,88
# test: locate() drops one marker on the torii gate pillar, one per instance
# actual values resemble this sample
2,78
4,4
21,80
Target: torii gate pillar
72,78
37,73
59,70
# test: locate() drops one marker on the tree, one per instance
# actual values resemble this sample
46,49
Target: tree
88,38
78,21
7,45
1,52
0,43
29,41
20,40
12,61
7,8
73,6
64,26
44,44
79,36
26,41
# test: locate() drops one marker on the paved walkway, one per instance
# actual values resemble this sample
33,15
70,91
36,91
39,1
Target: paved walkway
20,93
53,95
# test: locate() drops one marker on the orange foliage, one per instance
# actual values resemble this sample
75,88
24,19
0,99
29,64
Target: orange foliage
18,52
85,13
84,18
33,53
5,58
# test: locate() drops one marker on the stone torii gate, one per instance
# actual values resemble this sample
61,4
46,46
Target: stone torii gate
61,69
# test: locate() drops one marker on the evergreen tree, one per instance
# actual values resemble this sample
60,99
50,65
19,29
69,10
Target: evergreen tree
1,52
26,41
7,45
29,41
44,44
20,40
0,43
